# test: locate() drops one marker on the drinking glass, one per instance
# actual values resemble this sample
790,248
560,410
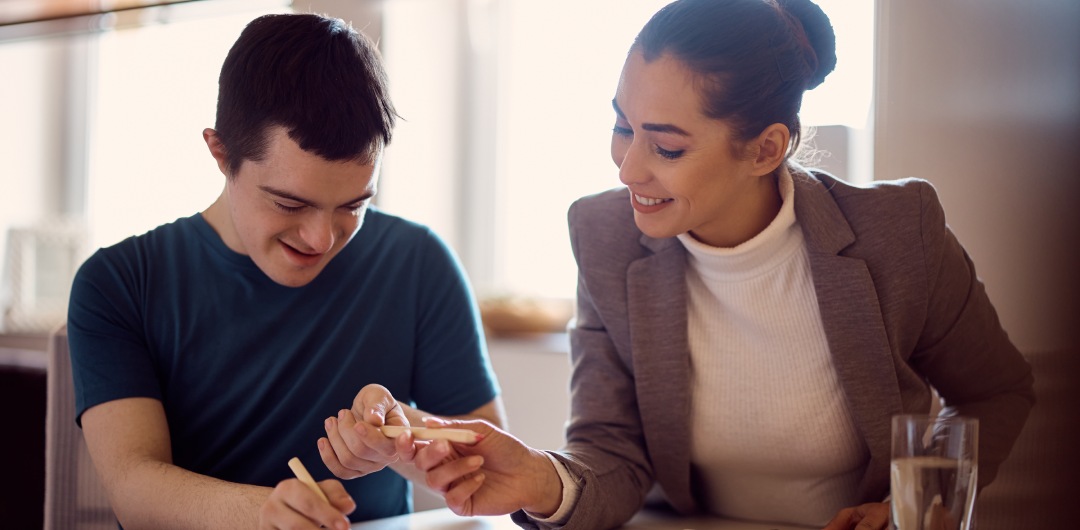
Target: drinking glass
934,472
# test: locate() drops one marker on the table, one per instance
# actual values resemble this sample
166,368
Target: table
444,519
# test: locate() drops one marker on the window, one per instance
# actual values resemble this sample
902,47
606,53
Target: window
156,90
507,108
109,111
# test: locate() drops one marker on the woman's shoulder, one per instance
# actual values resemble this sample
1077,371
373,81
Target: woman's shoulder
602,226
878,200
884,217
607,215
875,189
602,205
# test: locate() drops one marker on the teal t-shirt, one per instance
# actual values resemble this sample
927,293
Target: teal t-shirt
248,369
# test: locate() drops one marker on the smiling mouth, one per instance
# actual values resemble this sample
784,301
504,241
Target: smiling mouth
649,201
301,253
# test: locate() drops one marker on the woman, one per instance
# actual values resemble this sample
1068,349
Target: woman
746,328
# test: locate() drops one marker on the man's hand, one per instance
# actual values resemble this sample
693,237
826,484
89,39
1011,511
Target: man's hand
293,505
870,516
354,446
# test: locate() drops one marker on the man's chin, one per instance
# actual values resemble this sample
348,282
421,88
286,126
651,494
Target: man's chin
293,278
293,281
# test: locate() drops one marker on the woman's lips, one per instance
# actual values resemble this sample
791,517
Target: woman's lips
646,204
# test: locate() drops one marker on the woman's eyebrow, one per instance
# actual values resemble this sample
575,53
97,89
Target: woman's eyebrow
654,127
618,111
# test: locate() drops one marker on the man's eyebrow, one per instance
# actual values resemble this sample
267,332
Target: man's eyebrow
289,196
654,127
285,195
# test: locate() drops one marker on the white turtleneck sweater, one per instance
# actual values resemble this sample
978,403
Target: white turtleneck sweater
772,434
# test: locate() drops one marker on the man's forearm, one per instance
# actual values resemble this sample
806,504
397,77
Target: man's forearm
158,495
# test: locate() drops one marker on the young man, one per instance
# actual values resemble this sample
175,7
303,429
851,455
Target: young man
283,319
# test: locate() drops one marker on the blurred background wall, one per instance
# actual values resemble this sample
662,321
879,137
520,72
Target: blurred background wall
982,98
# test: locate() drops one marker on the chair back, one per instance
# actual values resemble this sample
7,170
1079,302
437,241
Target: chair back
74,496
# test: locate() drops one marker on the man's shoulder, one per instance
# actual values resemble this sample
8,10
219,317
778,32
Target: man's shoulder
381,222
385,233
387,240
176,237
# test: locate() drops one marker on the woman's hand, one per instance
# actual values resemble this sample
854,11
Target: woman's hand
870,516
498,475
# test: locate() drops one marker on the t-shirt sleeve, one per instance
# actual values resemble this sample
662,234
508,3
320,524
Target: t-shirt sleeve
453,373
109,356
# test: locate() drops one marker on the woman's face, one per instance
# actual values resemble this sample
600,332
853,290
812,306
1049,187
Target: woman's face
684,170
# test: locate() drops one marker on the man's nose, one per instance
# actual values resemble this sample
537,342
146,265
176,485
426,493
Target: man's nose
317,232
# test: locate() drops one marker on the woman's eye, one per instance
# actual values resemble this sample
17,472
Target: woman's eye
286,208
670,155
622,131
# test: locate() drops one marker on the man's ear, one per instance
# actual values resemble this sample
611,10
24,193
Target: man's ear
772,146
217,150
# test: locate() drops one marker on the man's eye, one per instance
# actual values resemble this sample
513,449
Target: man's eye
286,208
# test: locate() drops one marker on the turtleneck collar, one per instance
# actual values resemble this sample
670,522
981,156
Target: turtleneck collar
769,248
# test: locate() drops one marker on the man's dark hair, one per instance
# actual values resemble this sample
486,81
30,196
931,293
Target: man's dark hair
315,76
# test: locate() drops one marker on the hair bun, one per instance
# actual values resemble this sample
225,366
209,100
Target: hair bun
819,32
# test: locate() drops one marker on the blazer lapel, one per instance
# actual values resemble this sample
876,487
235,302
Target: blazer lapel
656,300
854,326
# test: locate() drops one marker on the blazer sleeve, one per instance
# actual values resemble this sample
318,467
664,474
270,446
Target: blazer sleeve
605,447
963,351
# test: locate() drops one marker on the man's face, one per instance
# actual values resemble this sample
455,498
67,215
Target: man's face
293,211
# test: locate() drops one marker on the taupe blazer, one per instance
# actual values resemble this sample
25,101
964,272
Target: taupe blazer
902,310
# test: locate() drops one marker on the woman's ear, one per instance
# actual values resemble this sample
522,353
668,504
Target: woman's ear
772,146
217,150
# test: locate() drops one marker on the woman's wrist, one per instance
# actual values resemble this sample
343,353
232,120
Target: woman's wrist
545,494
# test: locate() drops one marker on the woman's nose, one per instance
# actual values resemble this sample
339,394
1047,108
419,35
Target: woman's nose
631,170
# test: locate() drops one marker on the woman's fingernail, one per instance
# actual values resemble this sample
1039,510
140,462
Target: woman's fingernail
475,461
329,423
